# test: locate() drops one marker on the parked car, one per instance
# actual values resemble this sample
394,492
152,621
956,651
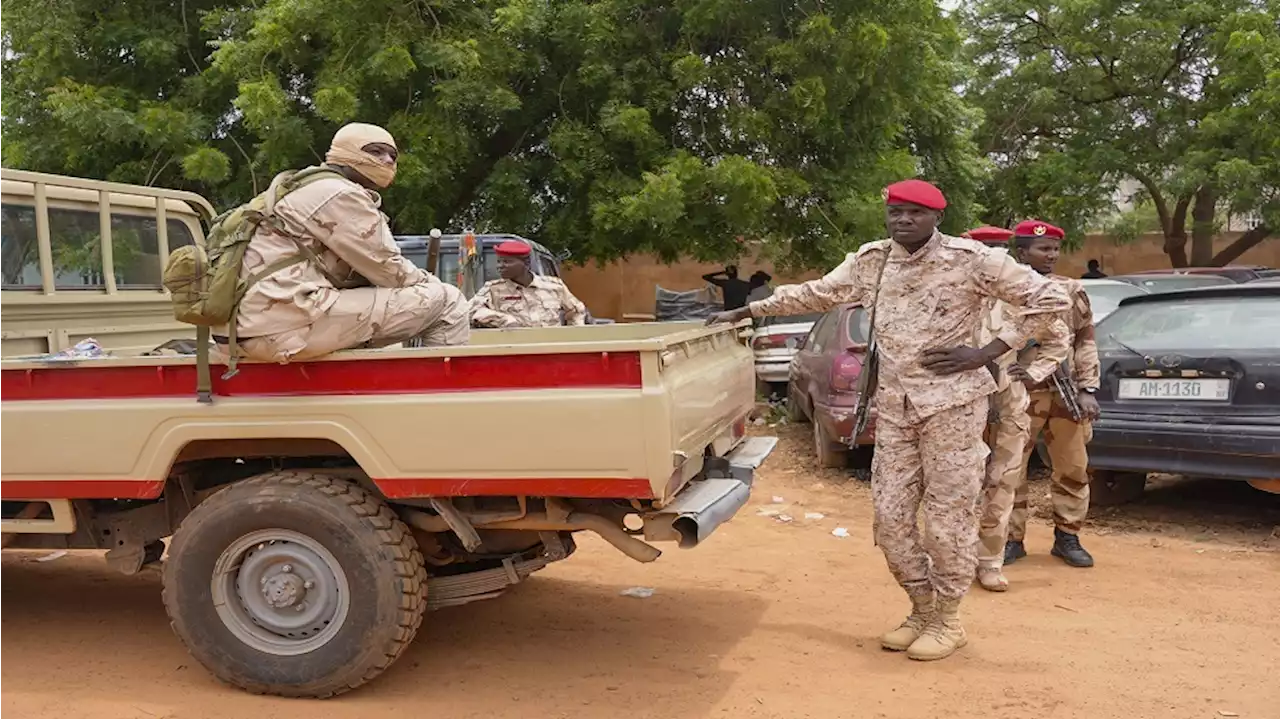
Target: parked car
1235,273
1268,280
542,260
1190,385
824,382
774,342
1105,295
1154,282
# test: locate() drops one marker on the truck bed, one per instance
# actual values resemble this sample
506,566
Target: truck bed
618,411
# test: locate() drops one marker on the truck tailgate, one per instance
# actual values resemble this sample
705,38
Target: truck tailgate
708,384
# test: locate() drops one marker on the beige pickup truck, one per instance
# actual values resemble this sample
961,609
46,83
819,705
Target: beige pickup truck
317,509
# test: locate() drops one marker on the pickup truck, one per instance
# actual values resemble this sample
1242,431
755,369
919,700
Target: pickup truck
315,510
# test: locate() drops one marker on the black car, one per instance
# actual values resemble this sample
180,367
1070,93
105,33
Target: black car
1190,385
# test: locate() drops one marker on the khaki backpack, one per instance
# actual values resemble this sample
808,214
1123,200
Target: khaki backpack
204,280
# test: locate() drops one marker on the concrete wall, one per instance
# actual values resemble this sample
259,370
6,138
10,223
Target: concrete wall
627,287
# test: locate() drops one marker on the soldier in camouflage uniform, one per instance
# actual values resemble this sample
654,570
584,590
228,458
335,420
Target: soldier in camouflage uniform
1008,425
1037,244
928,292
523,299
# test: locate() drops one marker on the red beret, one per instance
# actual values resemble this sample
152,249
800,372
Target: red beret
990,235
1037,228
915,192
512,248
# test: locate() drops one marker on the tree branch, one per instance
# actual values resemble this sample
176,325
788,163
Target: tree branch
1243,244
1157,197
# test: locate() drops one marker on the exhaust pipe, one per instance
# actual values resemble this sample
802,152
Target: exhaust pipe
697,512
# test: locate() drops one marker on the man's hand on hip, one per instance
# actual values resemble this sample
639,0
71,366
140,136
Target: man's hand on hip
950,360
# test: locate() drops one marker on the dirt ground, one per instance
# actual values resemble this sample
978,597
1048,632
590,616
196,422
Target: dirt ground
768,619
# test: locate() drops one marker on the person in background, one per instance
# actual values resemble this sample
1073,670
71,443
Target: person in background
1095,271
357,289
1008,427
521,298
928,293
1037,245
735,290
760,288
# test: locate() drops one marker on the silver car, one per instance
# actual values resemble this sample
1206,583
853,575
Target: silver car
1105,295
774,342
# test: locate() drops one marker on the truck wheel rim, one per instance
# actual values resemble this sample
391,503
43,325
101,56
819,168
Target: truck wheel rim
280,592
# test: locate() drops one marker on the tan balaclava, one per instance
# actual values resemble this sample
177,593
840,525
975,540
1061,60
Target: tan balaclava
348,149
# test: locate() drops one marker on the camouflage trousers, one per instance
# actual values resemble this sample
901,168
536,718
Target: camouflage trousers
1007,440
932,465
1066,441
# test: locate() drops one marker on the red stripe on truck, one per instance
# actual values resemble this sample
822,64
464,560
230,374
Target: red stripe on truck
401,375
578,487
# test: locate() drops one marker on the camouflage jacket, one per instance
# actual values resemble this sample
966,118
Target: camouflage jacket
1081,348
504,303
934,298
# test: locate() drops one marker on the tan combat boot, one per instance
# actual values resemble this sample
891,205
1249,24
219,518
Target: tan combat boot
922,610
992,579
943,636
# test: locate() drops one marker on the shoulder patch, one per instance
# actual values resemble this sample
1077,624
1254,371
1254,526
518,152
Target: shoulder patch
961,243
874,246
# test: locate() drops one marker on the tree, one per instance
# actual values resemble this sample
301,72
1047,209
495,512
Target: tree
604,128
1078,96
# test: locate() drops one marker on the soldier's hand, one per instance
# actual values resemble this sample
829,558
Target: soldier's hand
1088,406
949,360
1019,373
730,317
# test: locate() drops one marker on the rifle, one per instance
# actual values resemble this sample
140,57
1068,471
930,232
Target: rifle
1060,382
869,378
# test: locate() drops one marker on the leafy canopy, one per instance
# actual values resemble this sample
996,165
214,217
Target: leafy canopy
604,128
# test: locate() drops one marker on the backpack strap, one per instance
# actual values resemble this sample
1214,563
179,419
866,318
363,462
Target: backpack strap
281,185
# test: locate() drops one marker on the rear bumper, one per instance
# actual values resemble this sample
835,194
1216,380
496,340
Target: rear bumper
773,370
1223,451
837,420
712,499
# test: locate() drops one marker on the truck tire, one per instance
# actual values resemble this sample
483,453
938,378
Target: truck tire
1108,488
294,584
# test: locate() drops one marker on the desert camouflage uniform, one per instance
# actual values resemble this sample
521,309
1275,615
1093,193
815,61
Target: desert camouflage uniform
1007,437
298,313
504,303
1065,439
929,449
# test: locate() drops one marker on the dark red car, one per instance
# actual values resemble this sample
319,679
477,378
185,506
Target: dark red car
824,382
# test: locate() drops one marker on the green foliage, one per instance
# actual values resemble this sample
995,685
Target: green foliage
1081,96
603,127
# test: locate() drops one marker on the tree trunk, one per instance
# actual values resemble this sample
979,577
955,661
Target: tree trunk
1202,229
1175,234
1243,244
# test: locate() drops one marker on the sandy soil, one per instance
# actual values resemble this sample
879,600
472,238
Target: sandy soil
768,619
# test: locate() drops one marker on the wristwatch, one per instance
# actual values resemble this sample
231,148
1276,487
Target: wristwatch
1089,390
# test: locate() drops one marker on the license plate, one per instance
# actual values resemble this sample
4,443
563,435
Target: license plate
1207,390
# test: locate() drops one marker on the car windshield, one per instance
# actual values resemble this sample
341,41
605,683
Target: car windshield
1194,324
1171,283
1104,299
791,319
859,326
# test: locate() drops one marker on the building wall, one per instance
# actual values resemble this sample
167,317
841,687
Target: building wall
627,287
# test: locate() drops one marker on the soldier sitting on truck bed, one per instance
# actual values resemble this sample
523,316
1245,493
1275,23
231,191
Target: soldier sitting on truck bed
299,312
523,299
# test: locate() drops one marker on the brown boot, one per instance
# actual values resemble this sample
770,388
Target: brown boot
992,579
943,636
922,610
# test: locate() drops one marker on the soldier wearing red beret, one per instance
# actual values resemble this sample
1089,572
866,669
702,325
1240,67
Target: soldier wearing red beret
928,293
1037,244
521,298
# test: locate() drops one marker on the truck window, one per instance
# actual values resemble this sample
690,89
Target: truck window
77,256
